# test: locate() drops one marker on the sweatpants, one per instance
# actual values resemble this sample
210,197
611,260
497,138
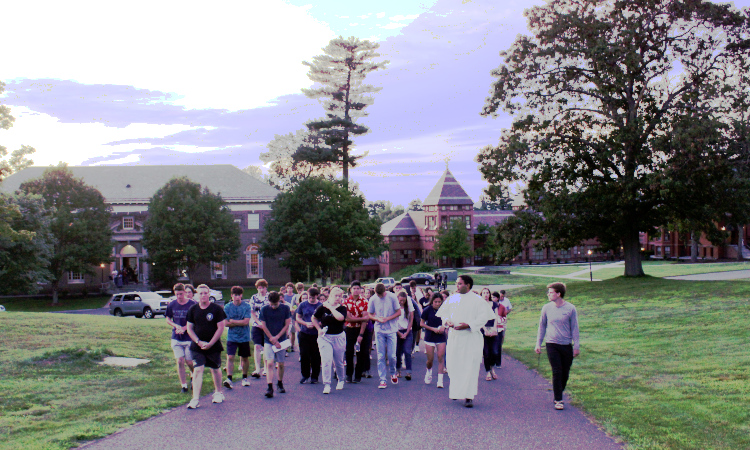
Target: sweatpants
560,359
332,348
309,355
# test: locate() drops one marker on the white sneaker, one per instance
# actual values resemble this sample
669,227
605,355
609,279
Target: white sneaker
327,389
245,382
440,383
428,378
228,384
218,397
340,385
193,404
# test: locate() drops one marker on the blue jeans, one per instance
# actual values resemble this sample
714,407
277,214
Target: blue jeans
404,347
386,343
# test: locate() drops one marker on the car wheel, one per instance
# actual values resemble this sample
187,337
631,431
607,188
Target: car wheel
426,282
118,312
148,313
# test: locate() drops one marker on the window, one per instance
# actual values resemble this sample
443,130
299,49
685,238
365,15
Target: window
442,208
538,253
128,223
75,278
468,222
218,271
254,261
253,221
238,221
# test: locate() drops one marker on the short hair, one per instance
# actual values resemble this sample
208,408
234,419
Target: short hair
355,283
398,283
289,284
273,297
467,280
179,287
502,291
299,286
436,295
445,292
261,282
380,289
237,290
315,285
558,287
313,292
496,294
203,286
190,286
412,283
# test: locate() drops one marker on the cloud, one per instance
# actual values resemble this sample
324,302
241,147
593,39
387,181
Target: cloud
380,15
213,56
393,26
401,18
130,159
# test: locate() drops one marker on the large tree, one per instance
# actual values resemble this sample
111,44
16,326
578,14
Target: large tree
187,227
384,210
593,93
286,171
26,243
319,226
453,242
18,158
79,225
340,74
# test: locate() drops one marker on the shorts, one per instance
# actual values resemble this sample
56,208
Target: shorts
256,334
242,349
272,356
211,360
181,349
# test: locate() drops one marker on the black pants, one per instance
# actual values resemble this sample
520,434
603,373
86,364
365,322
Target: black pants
560,359
499,348
488,352
309,355
363,356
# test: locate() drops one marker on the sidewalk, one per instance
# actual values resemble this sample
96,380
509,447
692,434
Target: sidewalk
513,412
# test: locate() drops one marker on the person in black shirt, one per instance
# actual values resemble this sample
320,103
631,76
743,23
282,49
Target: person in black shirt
329,320
275,320
205,322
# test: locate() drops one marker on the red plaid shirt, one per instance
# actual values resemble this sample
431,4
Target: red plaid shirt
356,309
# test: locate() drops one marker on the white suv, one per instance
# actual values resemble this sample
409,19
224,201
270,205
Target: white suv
138,304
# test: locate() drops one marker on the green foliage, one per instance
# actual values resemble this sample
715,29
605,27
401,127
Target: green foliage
26,243
501,202
384,210
18,158
504,241
286,171
340,73
320,225
187,227
598,113
453,242
79,225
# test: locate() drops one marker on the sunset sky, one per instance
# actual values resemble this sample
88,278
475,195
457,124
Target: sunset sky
162,82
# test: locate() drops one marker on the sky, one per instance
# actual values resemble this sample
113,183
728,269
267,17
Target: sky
168,82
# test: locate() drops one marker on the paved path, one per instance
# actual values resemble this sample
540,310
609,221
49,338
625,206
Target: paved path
714,276
579,275
513,412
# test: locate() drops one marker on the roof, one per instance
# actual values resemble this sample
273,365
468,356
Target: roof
135,184
448,191
402,225
489,218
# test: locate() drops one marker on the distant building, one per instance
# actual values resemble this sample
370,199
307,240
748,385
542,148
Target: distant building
128,189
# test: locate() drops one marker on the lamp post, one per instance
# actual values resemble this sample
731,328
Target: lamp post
591,275
102,266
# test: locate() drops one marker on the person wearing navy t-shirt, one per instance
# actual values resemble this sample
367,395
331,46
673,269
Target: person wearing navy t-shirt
434,338
176,317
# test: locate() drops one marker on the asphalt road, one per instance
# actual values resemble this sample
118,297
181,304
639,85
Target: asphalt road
513,412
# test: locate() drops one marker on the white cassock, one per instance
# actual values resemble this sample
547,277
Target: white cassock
464,348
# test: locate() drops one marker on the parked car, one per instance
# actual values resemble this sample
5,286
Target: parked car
387,281
138,304
214,295
420,278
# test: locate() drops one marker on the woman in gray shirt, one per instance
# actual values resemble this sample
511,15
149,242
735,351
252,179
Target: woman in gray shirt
559,324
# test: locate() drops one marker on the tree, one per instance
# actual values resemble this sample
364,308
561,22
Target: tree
286,171
453,242
384,210
592,92
186,227
79,223
501,203
320,225
415,205
340,73
504,241
26,243
18,158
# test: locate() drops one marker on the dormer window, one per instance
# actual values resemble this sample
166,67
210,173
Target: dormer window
128,223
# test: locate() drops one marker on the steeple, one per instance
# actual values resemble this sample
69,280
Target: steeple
448,191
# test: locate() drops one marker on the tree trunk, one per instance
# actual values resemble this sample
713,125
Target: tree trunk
632,247
54,292
740,241
693,247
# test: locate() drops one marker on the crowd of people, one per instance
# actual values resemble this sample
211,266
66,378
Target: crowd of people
335,332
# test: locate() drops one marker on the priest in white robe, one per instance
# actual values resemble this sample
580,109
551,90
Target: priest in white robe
465,313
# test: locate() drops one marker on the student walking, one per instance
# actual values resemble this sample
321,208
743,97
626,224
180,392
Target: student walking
434,338
308,337
489,331
176,317
358,339
238,336
258,301
384,311
559,325
501,322
275,320
405,334
329,321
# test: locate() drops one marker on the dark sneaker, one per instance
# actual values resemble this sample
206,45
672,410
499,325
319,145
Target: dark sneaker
184,390
255,375
303,380
469,403
348,379
357,380
280,388
408,377
269,392
314,381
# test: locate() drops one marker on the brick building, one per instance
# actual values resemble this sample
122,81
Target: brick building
128,189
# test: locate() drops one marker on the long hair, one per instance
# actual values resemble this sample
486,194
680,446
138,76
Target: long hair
403,295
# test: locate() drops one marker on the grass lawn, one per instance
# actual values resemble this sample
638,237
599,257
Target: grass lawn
668,269
44,304
55,396
549,269
664,363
